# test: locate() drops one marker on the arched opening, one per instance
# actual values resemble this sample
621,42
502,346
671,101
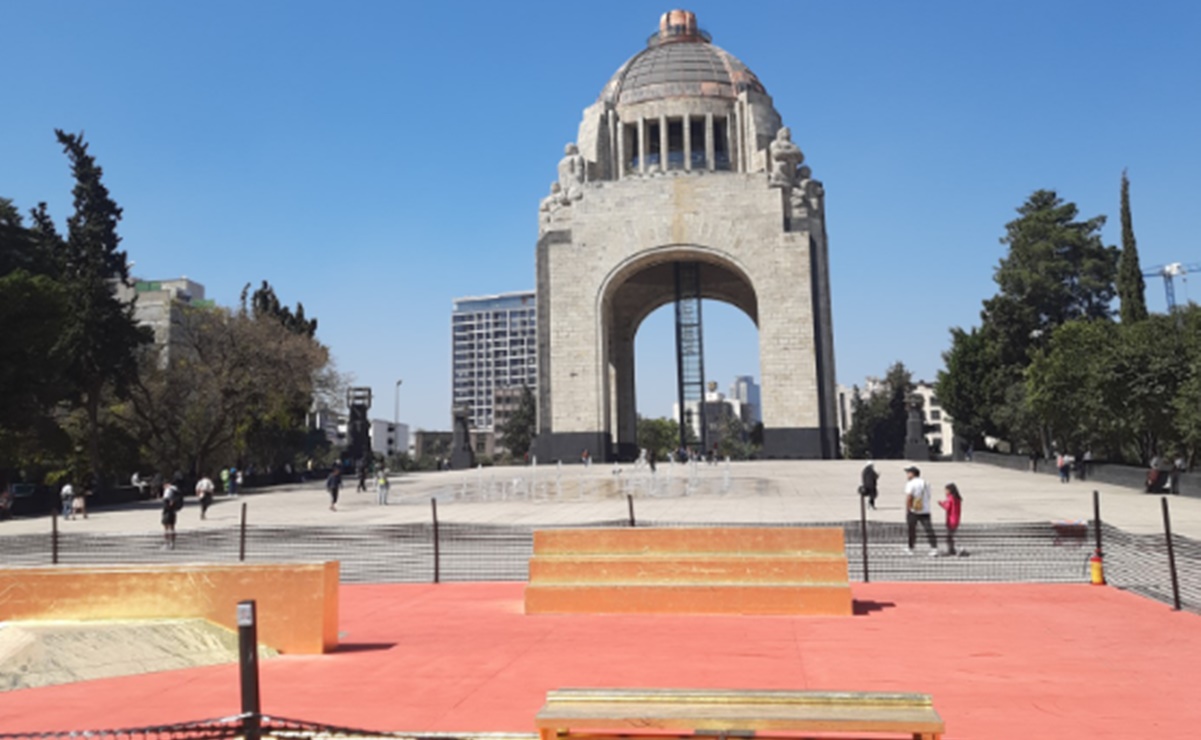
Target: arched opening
731,354
635,290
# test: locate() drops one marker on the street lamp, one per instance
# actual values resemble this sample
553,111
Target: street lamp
396,410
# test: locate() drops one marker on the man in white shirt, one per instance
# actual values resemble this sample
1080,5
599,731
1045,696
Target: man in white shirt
917,509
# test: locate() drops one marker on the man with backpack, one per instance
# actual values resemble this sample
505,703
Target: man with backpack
917,509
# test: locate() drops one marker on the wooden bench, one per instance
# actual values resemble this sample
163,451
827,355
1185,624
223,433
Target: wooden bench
645,714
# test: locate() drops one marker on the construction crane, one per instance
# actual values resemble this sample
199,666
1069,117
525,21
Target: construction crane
1169,273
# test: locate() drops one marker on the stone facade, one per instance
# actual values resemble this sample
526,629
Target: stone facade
678,167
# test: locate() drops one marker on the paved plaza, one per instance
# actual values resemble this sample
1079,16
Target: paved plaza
739,492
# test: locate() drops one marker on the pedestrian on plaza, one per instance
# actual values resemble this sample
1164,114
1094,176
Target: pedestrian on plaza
333,484
80,503
917,509
360,468
381,487
1178,468
650,459
235,480
953,504
172,503
870,486
156,486
225,484
67,497
1065,467
204,494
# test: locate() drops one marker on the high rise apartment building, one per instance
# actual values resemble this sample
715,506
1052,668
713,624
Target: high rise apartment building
495,347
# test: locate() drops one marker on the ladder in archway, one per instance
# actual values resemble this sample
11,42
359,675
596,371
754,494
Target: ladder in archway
690,356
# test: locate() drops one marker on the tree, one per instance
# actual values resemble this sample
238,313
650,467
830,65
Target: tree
660,436
517,434
235,387
1056,270
1131,288
879,420
100,337
266,305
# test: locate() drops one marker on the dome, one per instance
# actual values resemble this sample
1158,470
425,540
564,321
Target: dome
679,61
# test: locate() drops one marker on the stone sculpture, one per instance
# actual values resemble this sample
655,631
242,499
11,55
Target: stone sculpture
785,158
571,174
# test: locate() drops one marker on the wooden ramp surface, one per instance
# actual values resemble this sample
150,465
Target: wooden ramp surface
704,570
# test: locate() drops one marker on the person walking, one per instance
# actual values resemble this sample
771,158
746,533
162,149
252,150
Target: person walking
381,487
172,503
1178,468
1065,467
204,494
361,469
870,486
953,504
917,509
333,484
226,487
67,497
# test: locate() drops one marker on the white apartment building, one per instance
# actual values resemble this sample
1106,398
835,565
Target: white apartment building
941,439
495,345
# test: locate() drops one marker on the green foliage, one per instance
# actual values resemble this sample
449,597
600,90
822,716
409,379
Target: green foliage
661,436
1056,271
517,434
1131,288
734,439
878,420
1121,390
265,304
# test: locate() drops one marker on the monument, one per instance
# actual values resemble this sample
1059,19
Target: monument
682,185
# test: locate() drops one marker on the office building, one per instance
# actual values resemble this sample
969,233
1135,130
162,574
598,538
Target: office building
495,348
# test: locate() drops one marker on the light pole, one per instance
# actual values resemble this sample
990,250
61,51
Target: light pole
396,410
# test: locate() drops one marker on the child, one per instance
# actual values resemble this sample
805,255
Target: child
953,503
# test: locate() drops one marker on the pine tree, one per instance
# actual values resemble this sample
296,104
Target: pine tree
1131,288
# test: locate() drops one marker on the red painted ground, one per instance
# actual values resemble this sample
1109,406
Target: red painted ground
1015,661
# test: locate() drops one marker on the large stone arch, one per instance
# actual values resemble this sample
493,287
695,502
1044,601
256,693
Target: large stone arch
633,290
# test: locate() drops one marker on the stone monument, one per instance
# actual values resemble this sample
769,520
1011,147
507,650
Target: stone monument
682,160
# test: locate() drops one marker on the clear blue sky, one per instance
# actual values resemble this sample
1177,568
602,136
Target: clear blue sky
376,160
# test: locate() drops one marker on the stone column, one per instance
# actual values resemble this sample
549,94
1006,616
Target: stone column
663,143
730,155
624,400
612,146
621,150
710,158
642,146
687,142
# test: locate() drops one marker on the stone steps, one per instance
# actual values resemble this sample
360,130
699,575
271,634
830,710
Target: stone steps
710,570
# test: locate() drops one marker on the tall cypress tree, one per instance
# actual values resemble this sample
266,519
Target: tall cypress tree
101,336
1131,288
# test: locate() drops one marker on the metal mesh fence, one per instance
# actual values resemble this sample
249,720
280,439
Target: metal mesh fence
1039,552
237,728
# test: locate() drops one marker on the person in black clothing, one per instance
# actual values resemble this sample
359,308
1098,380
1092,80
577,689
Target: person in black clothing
361,469
869,487
332,484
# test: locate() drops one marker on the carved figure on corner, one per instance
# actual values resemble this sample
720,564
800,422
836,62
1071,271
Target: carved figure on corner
550,202
809,193
571,174
785,158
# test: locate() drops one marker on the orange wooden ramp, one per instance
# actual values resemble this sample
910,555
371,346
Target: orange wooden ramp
704,570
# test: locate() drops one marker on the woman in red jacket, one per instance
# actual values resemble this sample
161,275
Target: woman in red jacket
953,503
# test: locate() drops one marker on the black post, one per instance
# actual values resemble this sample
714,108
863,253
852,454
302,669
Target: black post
242,536
1097,520
630,501
863,533
248,662
1167,533
54,537
437,553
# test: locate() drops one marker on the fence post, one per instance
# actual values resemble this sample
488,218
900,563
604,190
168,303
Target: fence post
248,664
630,501
437,553
54,537
1167,533
863,533
242,536
1097,520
